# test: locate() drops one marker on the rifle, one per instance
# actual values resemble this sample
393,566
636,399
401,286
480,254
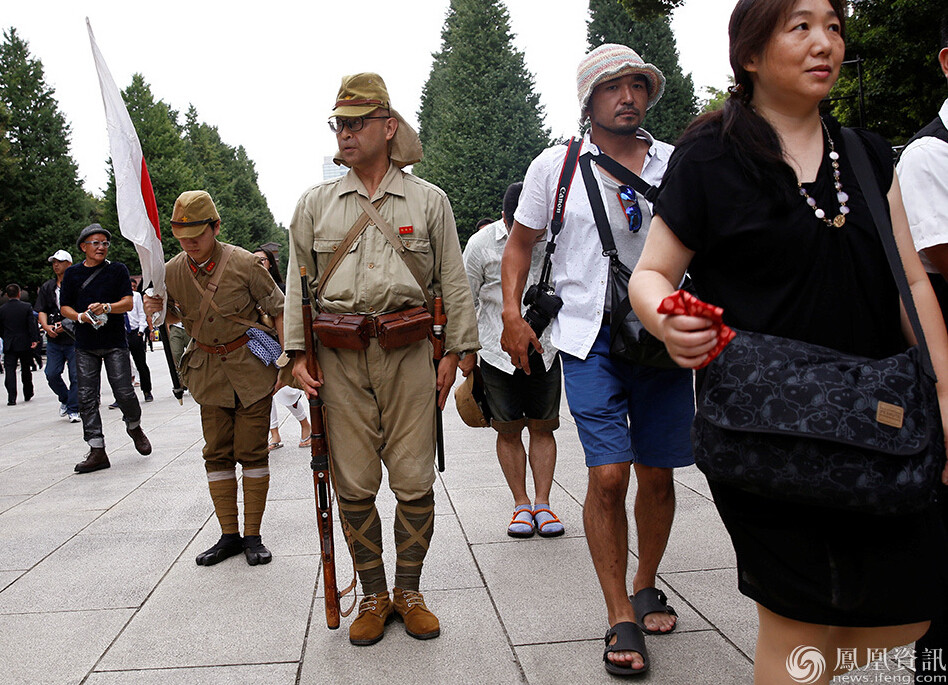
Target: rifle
319,449
437,330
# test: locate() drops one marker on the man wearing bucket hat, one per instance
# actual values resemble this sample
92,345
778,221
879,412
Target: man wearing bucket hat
218,292
60,338
625,414
95,294
380,398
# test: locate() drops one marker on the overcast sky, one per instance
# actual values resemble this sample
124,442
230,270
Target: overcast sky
266,74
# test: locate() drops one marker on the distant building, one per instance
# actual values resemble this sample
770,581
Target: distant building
332,170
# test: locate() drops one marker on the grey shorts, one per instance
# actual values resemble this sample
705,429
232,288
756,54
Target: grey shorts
520,399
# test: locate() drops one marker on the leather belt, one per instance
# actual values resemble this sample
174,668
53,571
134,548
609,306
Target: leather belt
224,349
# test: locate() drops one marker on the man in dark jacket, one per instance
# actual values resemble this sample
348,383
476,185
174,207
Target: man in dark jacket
20,336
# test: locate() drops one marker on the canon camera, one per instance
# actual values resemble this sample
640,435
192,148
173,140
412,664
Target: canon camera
542,305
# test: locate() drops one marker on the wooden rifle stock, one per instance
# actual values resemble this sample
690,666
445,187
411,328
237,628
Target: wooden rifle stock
319,449
437,330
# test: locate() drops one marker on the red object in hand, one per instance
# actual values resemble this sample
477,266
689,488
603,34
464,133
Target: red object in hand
682,303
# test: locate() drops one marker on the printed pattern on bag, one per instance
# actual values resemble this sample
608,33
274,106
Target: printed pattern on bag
797,421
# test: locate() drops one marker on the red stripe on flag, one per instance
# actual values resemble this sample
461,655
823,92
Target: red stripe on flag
148,195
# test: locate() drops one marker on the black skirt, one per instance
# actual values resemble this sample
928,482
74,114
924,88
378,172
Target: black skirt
834,567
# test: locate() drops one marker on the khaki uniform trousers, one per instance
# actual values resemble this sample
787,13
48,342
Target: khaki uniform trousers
380,407
236,435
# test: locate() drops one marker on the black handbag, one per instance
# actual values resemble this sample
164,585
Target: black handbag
630,342
795,421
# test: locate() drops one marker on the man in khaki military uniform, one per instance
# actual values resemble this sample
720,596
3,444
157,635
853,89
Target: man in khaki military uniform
381,402
223,374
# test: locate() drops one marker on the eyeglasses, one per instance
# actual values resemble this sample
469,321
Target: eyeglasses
336,124
630,204
97,243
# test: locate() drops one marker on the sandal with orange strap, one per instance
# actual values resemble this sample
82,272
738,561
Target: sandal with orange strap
521,525
548,525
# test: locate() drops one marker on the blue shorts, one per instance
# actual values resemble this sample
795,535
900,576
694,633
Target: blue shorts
629,413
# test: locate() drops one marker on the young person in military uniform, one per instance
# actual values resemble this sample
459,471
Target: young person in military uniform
380,403
223,374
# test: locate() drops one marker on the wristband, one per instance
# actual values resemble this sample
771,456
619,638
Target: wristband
108,307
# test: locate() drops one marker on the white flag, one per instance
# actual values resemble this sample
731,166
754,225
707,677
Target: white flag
134,196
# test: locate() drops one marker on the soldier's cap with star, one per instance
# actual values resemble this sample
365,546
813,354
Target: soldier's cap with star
193,211
361,94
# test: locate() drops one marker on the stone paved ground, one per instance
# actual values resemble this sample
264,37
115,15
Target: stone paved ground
98,583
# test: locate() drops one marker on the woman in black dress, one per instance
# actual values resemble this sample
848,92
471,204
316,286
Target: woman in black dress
761,205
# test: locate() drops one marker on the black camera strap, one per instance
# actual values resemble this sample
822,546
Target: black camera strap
559,204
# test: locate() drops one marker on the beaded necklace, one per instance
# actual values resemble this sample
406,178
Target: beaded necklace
840,219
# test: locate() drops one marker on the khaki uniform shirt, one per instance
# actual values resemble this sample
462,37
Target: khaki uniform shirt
373,278
212,379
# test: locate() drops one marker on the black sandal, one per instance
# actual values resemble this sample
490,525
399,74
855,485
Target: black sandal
629,638
651,600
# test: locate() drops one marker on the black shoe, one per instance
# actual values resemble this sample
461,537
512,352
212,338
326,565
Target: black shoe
149,397
141,441
114,405
255,551
11,403
96,460
27,398
229,545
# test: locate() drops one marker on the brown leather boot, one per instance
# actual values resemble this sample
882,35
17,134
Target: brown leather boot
96,459
369,627
141,442
409,607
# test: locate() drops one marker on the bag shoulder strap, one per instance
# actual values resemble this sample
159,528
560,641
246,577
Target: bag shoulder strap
207,294
626,176
598,208
880,217
386,230
93,276
343,249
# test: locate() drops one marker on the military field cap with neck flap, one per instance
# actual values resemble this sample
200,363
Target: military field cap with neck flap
193,211
360,95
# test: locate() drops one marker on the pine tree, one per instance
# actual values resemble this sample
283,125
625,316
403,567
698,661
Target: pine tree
648,10
903,87
45,206
229,175
610,22
481,121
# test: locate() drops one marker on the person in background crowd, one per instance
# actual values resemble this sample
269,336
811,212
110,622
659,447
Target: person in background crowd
21,336
292,398
515,398
60,338
923,176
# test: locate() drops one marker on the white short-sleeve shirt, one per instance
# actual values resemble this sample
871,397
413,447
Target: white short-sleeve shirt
923,177
580,271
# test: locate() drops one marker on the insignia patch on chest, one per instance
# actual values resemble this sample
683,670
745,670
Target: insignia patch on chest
210,266
404,230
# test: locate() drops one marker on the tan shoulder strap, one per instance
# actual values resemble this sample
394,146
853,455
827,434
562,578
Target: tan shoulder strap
386,230
207,294
343,248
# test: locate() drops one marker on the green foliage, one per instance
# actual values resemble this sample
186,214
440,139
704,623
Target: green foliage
610,22
191,157
480,119
716,97
42,204
903,87
649,10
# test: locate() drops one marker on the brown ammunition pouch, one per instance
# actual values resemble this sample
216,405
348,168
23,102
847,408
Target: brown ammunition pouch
393,330
346,331
399,329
